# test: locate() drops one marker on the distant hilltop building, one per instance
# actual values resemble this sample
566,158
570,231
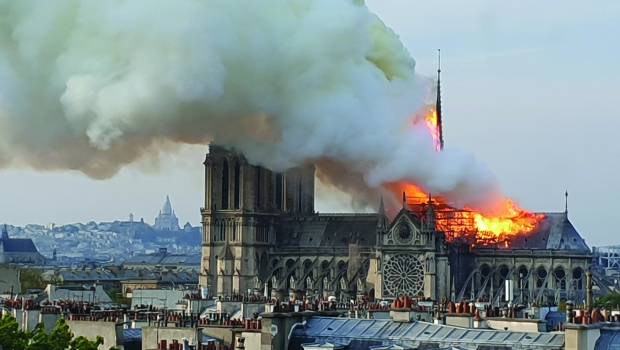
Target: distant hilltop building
167,220
18,250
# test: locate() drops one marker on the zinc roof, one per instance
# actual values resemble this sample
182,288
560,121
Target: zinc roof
415,334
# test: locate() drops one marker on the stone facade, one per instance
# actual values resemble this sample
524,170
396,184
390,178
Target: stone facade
260,232
167,219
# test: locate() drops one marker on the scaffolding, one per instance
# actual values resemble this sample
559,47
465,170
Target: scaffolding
458,225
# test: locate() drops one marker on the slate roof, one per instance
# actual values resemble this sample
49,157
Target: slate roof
609,339
177,277
164,259
180,259
19,245
364,333
80,294
328,230
87,275
555,232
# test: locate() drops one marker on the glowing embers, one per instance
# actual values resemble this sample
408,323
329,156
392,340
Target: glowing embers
468,225
480,230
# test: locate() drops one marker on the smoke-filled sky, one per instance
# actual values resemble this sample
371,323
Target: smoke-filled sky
527,89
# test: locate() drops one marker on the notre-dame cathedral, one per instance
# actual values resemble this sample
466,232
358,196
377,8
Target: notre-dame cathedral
261,233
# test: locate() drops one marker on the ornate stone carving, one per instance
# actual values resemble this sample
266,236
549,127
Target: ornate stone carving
403,274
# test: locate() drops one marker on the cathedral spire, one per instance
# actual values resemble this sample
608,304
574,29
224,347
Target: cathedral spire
438,103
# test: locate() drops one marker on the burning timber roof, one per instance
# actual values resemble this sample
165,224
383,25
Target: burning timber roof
555,232
364,333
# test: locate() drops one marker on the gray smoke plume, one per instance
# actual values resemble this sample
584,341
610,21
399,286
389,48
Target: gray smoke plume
95,85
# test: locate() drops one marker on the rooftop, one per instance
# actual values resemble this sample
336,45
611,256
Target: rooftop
363,333
16,245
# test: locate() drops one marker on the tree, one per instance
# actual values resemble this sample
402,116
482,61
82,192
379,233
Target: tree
608,301
10,335
60,338
31,279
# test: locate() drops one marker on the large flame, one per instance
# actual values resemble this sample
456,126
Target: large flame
431,121
465,224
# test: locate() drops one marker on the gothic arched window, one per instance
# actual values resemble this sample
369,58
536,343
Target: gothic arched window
279,191
237,186
258,188
299,196
560,278
225,185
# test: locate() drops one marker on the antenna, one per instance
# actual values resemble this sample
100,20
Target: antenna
566,202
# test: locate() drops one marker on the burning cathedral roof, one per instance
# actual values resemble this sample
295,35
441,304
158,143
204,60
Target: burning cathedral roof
554,232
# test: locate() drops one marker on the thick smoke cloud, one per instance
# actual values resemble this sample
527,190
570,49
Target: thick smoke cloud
95,85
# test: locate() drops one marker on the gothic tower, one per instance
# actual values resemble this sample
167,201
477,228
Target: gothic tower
243,203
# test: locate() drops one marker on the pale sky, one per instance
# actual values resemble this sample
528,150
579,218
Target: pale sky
528,87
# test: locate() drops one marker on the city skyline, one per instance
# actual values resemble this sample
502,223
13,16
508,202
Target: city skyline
510,103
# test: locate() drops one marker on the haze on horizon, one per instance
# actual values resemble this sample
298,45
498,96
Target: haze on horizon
527,88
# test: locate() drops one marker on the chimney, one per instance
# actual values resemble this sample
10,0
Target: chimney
240,343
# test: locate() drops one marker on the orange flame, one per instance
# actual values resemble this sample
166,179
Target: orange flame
465,224
431,122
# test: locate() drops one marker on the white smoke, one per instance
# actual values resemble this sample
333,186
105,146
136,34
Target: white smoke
95,85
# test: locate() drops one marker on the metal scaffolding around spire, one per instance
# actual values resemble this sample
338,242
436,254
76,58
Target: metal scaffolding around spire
438,103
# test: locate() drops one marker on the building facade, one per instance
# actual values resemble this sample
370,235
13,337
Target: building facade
18,250
260,232
167,219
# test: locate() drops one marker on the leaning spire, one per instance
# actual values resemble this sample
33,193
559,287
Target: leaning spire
438,103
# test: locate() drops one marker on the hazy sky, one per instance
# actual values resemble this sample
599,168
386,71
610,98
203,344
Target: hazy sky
529,87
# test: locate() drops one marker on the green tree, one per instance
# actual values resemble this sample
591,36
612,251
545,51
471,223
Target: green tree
10,335
608,301
31,279
60,338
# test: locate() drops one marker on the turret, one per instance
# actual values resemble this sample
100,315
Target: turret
429,218
381,222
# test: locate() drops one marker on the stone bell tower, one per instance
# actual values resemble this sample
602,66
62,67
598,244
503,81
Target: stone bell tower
243,203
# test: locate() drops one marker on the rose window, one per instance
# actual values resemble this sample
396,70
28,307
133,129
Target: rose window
403,274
